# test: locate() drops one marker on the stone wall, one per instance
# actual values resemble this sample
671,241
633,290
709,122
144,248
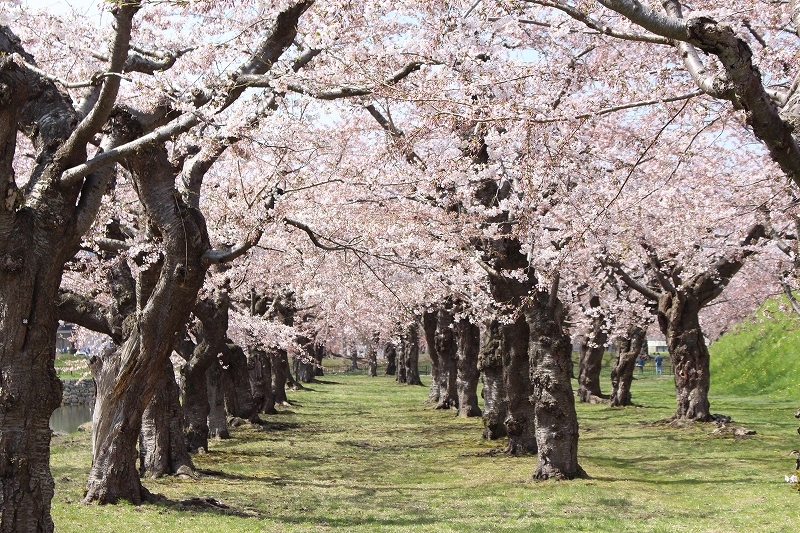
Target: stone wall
78,391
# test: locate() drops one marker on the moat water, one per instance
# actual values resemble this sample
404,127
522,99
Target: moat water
67,418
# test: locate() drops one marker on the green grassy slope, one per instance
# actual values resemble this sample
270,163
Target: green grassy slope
760,356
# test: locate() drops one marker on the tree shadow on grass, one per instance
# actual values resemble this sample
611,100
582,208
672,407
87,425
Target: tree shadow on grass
204,504
715,481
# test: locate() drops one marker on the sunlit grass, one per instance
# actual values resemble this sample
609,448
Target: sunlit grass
759,356
363,454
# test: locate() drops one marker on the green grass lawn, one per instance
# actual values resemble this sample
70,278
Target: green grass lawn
364,454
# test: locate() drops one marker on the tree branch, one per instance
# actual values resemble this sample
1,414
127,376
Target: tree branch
747,88
337,92
597,25
177,126
91,124
313,236
279,39
216,257
78,309
634,284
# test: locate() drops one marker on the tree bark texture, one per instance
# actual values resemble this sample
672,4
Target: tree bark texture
259,366
446,348
680,324
390,352
127,384
520,419
467,368
551,371
236,390
162,442
490,363
429,321
319,355
212,313
279,363
591,358
304,370
411,354
628,349
41,226
401,360
679,305
217,417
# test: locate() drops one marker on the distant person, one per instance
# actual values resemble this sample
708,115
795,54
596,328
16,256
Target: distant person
658,361
640,364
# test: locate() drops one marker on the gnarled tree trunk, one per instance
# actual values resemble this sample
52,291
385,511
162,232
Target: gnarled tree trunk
520,420
490,362
429,321
41,225
304,365
279,363
390,352
446,349
467,368
166,295
401,360
29,388
628,349
551,370
217,418
236,384
162,442
680,323
592,356
411,354
259,366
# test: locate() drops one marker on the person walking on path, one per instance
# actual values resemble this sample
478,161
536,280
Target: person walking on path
658,360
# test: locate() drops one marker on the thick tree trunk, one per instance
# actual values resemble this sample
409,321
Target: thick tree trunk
429,321
217,419
166,295
279,361
679,321
551,370
591,360
319,355
353,358
41,226
411,355
390,352
195,404
490,362
304,370
467,368
259,366
236,384
372,359
116,426
446,349
628,349
29,390
401,360
162,441
592,357
520,420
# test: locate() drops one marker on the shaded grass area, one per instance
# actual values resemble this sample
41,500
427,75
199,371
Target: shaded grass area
363,454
